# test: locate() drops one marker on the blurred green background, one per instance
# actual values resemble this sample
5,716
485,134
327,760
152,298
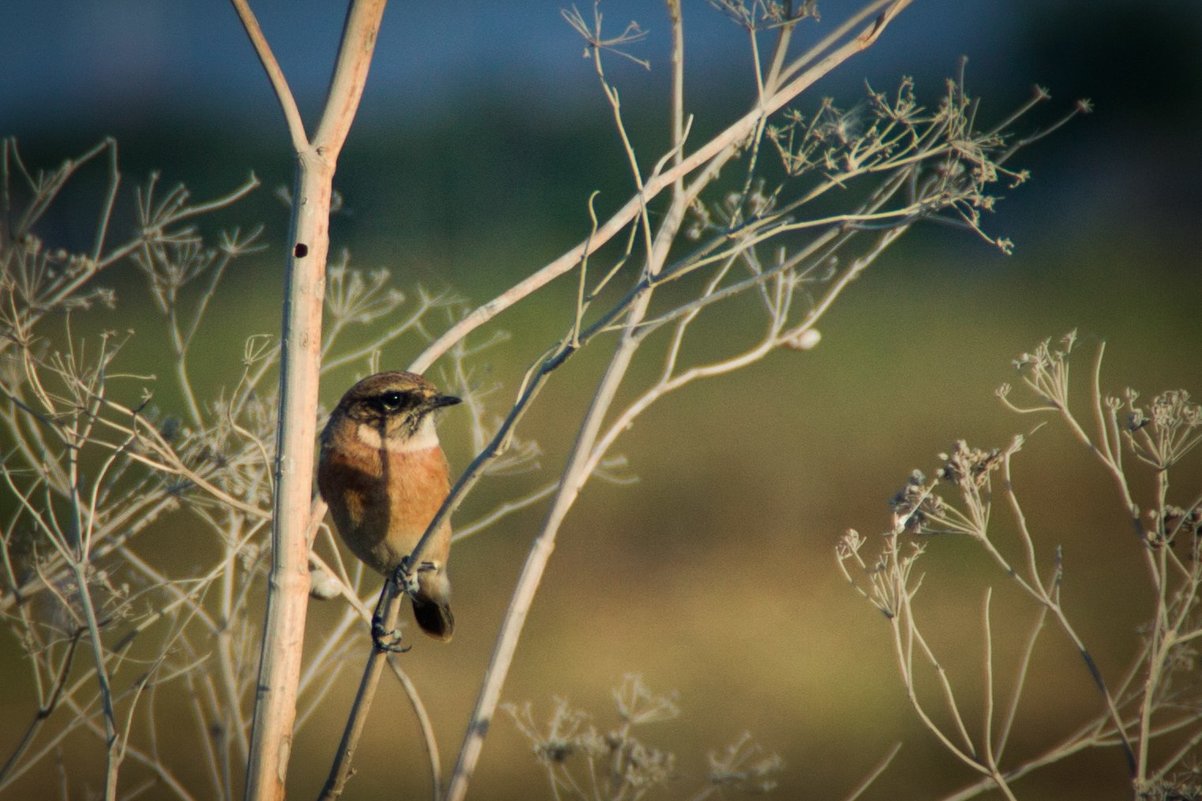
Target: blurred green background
481,136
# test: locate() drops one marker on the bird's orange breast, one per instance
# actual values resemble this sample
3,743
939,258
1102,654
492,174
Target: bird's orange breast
382,500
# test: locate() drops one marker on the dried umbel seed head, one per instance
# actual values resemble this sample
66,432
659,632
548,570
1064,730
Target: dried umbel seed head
965,466
914,504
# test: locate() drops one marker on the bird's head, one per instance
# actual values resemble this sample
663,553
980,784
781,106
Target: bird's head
394,406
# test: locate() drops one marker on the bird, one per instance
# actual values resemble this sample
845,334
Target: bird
384,475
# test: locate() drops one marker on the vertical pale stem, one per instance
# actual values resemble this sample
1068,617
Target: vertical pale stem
574,477
579,467
288,583
300,363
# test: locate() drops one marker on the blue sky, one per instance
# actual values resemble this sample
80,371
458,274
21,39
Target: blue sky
73,71
89,62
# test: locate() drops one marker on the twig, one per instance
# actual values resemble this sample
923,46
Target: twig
283,633
340,770
881,767
720,145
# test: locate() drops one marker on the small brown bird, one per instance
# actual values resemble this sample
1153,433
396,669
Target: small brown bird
384,476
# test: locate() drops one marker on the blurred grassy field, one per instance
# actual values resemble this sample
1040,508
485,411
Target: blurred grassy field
713,576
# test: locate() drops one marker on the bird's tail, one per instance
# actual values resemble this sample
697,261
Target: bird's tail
435,618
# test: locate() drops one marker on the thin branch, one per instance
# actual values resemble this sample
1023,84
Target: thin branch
340,770
720,145
292,116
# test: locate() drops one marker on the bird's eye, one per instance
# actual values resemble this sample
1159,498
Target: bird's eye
391,401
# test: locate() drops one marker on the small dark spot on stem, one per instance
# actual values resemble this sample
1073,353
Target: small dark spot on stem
301,250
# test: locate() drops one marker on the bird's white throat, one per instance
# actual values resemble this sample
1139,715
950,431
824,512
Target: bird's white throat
423,439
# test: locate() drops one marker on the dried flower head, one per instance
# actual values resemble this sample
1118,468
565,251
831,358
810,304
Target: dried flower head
1164,432
966,466
914,504
745,765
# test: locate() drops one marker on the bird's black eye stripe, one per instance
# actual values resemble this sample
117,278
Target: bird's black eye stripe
391,401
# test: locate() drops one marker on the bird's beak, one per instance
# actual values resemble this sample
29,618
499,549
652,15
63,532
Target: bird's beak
438,401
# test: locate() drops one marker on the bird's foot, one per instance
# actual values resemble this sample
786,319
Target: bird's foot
405,575
386,640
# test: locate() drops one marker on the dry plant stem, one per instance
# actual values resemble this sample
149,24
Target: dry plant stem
148,760
574,476
570,485
581,459
79,544
1049,598
50,187
287,600
111,536
722,145
75,545
875,774
1086,737
288,583
1152,699
1095,733
682,197
425,724
503,510
226,663
83,717
358,609
112,739
990,756
774,337
1021,680
905,636
279,84
45,709
1047,595
340,771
